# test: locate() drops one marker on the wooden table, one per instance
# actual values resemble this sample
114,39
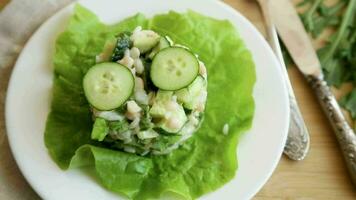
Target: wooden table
322,175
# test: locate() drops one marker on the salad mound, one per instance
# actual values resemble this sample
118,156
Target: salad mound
147,94
205,161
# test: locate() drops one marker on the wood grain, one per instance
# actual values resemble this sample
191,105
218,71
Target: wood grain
323,174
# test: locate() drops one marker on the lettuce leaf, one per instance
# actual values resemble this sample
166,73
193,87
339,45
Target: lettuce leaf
100,129
207,160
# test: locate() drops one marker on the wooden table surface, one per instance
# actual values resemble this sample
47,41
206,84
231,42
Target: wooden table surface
322,175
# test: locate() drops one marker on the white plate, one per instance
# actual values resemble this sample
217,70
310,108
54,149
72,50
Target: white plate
28,101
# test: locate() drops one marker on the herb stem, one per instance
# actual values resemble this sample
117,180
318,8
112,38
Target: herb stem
341,32
310,13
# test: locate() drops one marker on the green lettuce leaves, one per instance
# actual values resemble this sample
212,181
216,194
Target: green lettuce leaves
207,160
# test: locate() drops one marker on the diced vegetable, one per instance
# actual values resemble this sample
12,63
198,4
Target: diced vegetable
147,134
145,40
194,94
158,108
119,126
164,42
108,115
106,54
175,120
171,114
100,129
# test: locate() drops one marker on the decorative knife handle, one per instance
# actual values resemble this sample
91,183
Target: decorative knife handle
297,144
345,135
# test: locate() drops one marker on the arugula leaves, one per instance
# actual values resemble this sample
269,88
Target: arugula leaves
123,43
349,102
338,55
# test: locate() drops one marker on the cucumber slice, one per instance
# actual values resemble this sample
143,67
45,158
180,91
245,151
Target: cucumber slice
174,68
191,96
164,42
145,40
108,85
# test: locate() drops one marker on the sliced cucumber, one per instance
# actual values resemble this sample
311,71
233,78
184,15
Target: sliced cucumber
164,42
108,85
174,68
191,96
145,40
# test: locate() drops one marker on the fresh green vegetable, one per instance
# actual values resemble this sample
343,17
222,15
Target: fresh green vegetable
178,117
145,40
123,42
106,55
338,55
174,68
100,129
158,109
162,107
349,102
191,96
145,122
164,42
147,134
119,126
108,85
206,161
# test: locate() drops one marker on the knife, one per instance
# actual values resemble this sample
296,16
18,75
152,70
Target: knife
292,32
297,144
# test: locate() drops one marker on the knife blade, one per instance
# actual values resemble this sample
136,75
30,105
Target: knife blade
292,32
290,28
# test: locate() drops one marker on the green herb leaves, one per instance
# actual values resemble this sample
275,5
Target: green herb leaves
338,55
123,43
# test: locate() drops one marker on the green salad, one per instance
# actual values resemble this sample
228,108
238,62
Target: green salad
147,94
155,106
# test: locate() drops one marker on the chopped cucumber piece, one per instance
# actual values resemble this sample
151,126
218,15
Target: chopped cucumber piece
175,122
158,108
108,85
163,43
108,50
145,40
165,96
147,134
100,129
171,114
174,68
192,96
